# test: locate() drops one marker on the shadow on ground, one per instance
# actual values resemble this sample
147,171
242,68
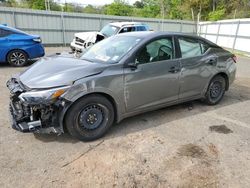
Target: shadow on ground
236,94
64,138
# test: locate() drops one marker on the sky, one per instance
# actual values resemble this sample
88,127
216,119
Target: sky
92,2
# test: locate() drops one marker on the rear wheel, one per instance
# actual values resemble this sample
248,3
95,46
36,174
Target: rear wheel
216,90
90,118
17,58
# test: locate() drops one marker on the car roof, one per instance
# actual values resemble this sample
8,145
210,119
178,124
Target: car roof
146,34
153,34
121,24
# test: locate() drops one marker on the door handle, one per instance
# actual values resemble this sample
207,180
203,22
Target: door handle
174,69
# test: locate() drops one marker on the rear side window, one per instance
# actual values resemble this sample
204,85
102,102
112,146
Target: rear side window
141,28
192,47
4,33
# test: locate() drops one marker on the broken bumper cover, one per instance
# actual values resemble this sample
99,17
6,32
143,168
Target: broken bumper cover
25,119
27,116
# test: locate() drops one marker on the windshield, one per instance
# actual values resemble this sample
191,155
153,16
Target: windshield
110,50
109,30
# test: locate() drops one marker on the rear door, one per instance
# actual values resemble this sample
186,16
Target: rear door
196,64
155,81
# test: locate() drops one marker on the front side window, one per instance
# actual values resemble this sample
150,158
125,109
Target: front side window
192,47
127,29
111,50
158,50
109,30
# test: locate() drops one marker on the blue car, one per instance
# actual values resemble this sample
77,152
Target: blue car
17,47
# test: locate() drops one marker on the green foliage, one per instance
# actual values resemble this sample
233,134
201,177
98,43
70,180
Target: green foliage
171,9
91,9
138,4
175,10
119,8
216,15
11,3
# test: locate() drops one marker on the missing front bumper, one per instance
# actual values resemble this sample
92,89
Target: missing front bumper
26,125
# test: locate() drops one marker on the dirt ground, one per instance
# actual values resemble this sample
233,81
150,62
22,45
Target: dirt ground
187,145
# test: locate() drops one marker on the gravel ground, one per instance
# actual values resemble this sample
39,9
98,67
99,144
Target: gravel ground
187,145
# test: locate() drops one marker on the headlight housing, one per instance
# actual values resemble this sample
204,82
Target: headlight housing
39,40
44,96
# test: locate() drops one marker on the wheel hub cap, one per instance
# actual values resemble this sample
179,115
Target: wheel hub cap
91,117
215,90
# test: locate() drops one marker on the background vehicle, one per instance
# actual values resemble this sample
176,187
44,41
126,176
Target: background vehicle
85,39
116,78
16,46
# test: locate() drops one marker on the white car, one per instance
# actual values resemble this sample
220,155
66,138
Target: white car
84,40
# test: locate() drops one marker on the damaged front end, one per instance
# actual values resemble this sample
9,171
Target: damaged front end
35,110
82,41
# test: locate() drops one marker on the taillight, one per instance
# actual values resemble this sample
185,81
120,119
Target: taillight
234,58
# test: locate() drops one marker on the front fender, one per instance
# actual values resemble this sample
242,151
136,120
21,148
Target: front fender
83,89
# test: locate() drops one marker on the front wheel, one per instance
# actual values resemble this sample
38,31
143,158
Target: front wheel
216,90
90,118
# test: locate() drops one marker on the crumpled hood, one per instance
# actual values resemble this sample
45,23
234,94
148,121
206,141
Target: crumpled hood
88,36
58,71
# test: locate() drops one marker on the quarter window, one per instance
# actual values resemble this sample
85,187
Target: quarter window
192,47
158,50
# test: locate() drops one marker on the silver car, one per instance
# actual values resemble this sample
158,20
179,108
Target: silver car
118,77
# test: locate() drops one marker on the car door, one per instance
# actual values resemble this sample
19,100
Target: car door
3,44
195,67
155,80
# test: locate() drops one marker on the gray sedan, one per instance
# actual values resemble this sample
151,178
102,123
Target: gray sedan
118,77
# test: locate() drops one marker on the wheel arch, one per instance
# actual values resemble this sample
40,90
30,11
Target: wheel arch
225,76
107,96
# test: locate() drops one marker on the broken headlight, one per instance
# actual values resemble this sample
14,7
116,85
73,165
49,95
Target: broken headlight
35,97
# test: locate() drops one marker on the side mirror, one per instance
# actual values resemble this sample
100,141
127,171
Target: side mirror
131,65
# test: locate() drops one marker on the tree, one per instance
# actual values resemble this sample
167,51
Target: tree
151,9
171,9
216,15
10,3
119,8
175,10
91,9
138,4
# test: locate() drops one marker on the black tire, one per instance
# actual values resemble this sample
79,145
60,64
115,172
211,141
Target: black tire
17,58
89,118
215,90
